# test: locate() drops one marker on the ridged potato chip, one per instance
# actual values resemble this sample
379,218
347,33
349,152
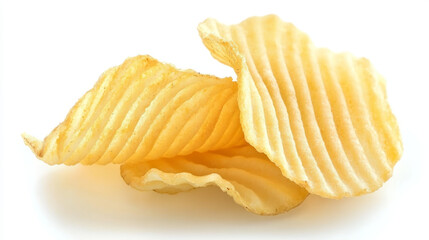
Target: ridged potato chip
249,177
321,117
143,110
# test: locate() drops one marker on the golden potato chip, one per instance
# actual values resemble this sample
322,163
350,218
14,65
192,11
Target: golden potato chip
252,180
144,109
322,117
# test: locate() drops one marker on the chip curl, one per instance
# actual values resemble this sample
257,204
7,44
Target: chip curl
321,117
246,175
143,110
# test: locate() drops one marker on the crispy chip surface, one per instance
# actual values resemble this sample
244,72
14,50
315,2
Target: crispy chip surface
321,117
143,110
249,177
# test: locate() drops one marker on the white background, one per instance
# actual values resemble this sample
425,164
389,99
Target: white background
54,51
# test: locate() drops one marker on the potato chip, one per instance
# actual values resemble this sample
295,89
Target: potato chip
143,110
249,177
321,117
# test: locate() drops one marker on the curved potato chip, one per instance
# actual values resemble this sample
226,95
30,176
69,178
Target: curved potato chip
144,109
322,117
252,180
